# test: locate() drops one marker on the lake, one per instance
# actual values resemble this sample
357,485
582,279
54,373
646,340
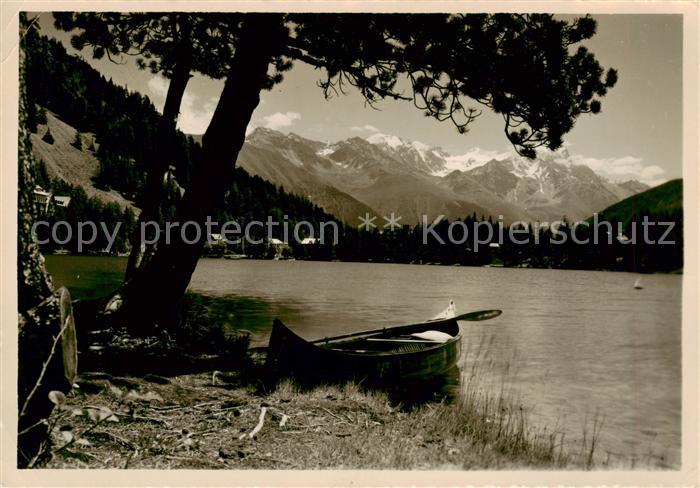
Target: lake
569,345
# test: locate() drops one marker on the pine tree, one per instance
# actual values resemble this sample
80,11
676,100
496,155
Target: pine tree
375,54
41,115
172,44
48,137
78,141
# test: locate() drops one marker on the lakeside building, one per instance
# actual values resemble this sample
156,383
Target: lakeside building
46,200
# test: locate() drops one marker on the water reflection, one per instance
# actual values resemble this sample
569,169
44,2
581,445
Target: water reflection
438,388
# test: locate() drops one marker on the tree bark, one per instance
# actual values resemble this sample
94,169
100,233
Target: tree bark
47,352
163,153
151,299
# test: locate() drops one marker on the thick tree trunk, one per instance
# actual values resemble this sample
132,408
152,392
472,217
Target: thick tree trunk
153,296
163,153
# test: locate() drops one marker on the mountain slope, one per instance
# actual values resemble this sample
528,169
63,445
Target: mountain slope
547,188
292,163
123,125
388,174
663,200
352,177
74,166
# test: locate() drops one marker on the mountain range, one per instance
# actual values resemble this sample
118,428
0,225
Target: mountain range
385,174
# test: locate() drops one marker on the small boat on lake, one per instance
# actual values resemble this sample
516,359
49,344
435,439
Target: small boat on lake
404,352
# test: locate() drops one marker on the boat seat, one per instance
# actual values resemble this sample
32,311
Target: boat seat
433,335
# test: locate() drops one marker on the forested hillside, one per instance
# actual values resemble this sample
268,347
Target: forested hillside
662,202
122,127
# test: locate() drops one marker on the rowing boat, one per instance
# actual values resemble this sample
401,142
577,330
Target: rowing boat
413,351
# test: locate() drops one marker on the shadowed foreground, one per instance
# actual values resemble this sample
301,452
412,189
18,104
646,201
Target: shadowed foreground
205,421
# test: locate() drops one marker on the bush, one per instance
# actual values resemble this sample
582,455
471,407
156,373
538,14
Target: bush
208,326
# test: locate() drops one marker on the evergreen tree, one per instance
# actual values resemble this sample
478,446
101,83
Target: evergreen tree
78,141
172,44
48,137
453,64
41,115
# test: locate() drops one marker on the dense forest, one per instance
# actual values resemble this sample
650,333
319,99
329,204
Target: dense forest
125,125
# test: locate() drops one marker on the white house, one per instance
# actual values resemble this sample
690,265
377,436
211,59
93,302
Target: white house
61,201
45,199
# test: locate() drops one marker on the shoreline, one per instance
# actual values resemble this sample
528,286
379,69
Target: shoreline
205,421
211,421
497,266
485,429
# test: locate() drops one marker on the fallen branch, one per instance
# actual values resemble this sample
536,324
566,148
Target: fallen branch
170,408
257,428
44,367
40,422
205,404
281,415
330,413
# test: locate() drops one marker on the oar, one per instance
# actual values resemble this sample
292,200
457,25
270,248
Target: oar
480,315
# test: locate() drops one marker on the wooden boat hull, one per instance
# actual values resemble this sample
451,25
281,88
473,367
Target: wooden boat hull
374,356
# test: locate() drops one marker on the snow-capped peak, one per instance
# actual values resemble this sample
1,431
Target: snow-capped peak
325,151
524,168
421,147
386,139
471,159
421,150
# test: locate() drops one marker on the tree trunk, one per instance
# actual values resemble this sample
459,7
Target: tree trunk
152,298
163,153
47,352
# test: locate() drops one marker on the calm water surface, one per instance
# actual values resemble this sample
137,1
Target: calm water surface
576,344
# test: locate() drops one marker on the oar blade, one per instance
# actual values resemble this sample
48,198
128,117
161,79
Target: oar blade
479,315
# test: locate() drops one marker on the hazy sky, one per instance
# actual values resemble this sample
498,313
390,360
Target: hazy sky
638,134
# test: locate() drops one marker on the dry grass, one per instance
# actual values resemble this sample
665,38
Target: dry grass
203,421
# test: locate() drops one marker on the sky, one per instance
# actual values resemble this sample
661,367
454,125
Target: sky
637,135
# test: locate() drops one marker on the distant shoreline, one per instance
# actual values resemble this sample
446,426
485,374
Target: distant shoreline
224,258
